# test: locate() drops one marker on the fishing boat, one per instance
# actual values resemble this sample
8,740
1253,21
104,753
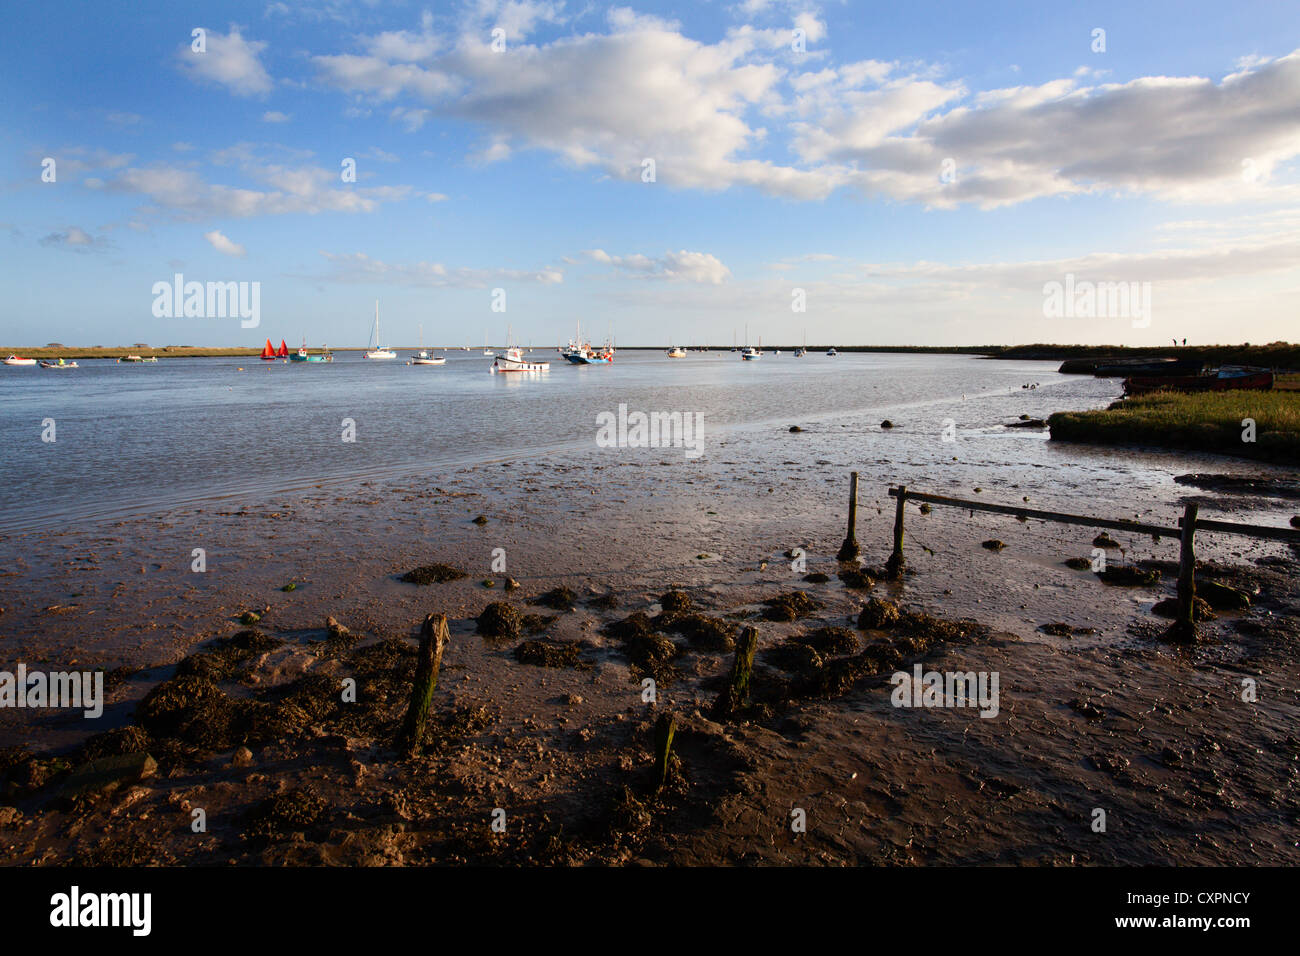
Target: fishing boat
677,352
59,364
750,354
581,352
1227,378
512,359
17,360
377,351
423,357
302,355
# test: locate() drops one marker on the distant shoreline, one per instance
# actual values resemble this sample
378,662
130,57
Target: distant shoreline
1273,355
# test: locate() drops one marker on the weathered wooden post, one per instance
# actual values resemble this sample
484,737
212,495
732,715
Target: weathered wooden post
665,727
736,694
895,563
1184,628
849,549
434,637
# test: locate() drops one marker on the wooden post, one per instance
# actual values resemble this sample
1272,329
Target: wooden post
895,563
849,549
665,727
736,694
1184,628
434,637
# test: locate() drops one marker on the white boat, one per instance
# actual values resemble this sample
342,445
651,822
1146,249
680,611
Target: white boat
512,360
831,352
423,357
751,354
677,352
59,364
15,360
378,351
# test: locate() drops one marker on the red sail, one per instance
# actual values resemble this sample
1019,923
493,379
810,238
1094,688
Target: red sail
269,351
284,350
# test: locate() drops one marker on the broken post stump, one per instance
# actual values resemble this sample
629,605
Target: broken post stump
735,694
849,549
433,641
1183,629
894,566
665,728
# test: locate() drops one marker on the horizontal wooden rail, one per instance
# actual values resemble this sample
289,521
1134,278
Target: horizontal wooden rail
1184,627
1164,532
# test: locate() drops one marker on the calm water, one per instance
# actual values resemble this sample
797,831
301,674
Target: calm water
137,439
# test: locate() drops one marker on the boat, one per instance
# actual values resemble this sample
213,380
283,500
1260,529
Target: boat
302,355
1223,379
283,351
487,350
802,350
512,360
1127,368
423,357
831,352
580,352
750,354
268,354
145,361
677,352
59,364
17,360
378,351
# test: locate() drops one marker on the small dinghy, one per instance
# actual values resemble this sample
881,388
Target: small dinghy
59,364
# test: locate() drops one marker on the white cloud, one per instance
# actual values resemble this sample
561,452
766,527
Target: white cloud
224,245
275,116
229,60
76,239
359,267
700,267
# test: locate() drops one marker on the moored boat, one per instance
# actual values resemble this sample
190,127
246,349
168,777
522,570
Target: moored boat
677,352
378,351
512,360
750,354
59,364
1224,379
831,352
268,354
19,360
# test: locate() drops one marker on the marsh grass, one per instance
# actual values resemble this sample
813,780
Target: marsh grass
1198,421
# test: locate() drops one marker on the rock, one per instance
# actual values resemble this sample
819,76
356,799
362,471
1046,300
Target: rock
1029,423
1109,763
243,757
816,577
489,583
572,700
1171,758
1222,597
107,773
545,654
1078,564
1125,575
795,428
499,619
878,614
480,520
1104,540
992,544
9,816
558,599
886,424
856,579
829,641
1057,629
1200,609
290,587
1295,521
249,618
789,607
925,508
1087,708
512,584
793,657
433,574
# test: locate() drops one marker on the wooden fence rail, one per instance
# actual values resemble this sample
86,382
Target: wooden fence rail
1184,623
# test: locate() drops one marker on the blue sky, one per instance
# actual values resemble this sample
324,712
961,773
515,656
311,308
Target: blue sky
920,171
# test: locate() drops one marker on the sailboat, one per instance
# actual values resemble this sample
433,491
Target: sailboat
283,351
268,352
423,357
378,351
487,351
802,350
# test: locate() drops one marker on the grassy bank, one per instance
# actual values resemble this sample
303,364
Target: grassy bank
1205,421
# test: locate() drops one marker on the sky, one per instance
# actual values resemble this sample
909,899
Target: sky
853,173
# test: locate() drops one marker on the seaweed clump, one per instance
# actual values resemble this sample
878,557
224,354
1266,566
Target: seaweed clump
789,607
499,619
433,574
547,654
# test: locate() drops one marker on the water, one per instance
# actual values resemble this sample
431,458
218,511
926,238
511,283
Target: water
140,439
